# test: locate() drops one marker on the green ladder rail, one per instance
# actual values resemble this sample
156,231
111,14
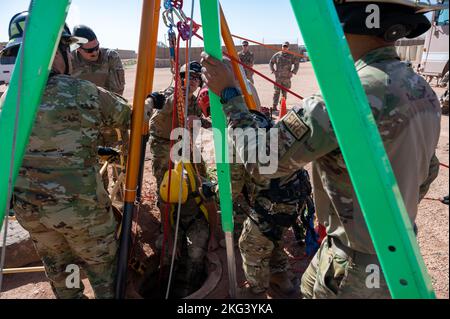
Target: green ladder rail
43,29
211,32
364,154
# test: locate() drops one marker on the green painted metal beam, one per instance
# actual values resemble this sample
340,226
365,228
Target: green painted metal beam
211,33
44,26
363,150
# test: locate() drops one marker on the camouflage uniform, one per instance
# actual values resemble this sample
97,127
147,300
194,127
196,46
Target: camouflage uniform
108,73
260,240
59,197
248,58
283,72
194,228
407,113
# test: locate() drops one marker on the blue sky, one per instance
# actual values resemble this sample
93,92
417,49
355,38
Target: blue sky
117,22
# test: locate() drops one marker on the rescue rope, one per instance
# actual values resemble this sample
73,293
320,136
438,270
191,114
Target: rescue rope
166,228
258,73
267,45
182,118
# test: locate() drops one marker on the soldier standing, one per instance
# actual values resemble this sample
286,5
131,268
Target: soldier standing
248,58
281,65
58,196
101,66
104,68
410,126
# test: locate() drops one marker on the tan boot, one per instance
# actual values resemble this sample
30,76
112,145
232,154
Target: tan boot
282,282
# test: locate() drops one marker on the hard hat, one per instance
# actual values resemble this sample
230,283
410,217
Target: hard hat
398,18
418,6
194,67
203,101
286,44
175,179
84,32
16,29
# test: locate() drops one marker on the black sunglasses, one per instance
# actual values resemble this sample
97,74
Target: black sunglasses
91,50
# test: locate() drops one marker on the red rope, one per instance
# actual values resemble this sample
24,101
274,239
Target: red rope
445,165
264,45
174,117
258,73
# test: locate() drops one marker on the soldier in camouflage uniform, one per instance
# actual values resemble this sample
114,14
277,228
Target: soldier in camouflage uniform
281,65
101,66
407,113
194,230
59,197
247,57
263,210
104,68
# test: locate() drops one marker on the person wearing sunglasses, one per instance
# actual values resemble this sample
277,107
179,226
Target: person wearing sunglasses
101,66
70,222
247,57
104,68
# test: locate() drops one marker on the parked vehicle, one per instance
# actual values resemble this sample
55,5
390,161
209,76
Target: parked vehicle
7,61
435,56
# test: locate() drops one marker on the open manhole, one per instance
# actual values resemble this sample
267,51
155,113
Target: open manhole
154,284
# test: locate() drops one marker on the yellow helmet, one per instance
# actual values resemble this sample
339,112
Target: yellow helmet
175,179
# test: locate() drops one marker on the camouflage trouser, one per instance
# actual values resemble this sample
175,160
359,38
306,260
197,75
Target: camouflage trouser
241,209
286,82
79,232
333,274
261,257
249,75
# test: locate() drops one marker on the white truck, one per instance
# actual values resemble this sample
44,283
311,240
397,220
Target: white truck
7,61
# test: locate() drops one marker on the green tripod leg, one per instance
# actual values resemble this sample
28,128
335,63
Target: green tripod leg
18,112
211,32
363,150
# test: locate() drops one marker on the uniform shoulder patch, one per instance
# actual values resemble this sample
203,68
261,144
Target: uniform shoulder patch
295,125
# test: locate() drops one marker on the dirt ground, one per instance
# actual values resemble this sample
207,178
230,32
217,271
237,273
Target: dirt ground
432,220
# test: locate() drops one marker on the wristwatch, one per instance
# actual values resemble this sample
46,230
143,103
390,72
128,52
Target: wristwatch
229,93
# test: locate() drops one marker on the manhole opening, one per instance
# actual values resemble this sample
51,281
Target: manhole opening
187,278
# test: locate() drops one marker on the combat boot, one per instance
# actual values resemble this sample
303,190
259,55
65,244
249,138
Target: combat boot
282,282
